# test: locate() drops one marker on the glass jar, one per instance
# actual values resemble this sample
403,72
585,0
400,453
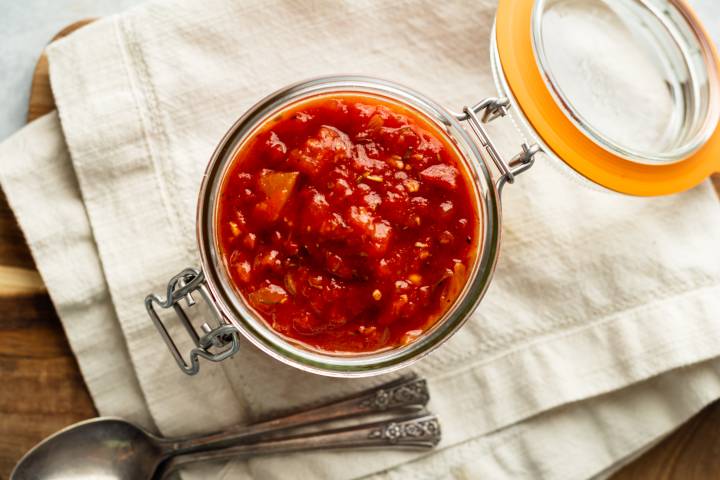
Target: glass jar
565,96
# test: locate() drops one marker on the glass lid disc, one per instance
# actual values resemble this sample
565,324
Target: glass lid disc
630,74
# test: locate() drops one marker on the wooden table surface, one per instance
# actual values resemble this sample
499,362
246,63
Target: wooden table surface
42,389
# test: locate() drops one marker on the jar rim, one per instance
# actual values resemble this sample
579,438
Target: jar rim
659,38
252,326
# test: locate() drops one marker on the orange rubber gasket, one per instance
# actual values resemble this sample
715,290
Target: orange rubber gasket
568,142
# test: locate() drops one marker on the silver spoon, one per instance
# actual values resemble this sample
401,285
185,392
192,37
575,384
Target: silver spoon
112,448
416,431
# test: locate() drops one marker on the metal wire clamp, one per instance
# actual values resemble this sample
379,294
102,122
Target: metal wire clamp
215,343
491,109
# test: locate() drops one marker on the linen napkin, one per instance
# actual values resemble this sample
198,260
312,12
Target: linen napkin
595,434
594,292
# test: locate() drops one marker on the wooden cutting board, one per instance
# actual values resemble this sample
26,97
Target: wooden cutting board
41,389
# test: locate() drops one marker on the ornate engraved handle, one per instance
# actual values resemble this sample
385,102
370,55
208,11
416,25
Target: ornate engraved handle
419,431
406,395
422,432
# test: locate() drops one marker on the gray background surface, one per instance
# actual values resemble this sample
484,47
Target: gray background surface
27,25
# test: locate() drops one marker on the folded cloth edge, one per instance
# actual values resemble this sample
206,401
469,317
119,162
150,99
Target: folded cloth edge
56,227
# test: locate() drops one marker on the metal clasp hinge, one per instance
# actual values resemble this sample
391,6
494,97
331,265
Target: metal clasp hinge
491,109
215,343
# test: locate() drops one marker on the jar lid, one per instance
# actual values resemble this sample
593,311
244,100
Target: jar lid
625,92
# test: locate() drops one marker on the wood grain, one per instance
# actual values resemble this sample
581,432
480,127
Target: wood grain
43,391
41,98
691,453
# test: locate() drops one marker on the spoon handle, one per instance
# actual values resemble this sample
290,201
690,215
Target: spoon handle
419,431
408,392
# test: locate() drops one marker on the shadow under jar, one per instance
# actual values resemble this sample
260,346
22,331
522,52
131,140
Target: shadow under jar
644,64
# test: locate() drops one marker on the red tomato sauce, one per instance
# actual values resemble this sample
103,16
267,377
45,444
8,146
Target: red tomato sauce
348,223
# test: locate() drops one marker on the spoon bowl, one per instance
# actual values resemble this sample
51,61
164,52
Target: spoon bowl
102,449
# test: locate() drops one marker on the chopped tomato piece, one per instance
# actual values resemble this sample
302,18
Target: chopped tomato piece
243,270
277,187
276,149
455,283
321,150
270,295
444,176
